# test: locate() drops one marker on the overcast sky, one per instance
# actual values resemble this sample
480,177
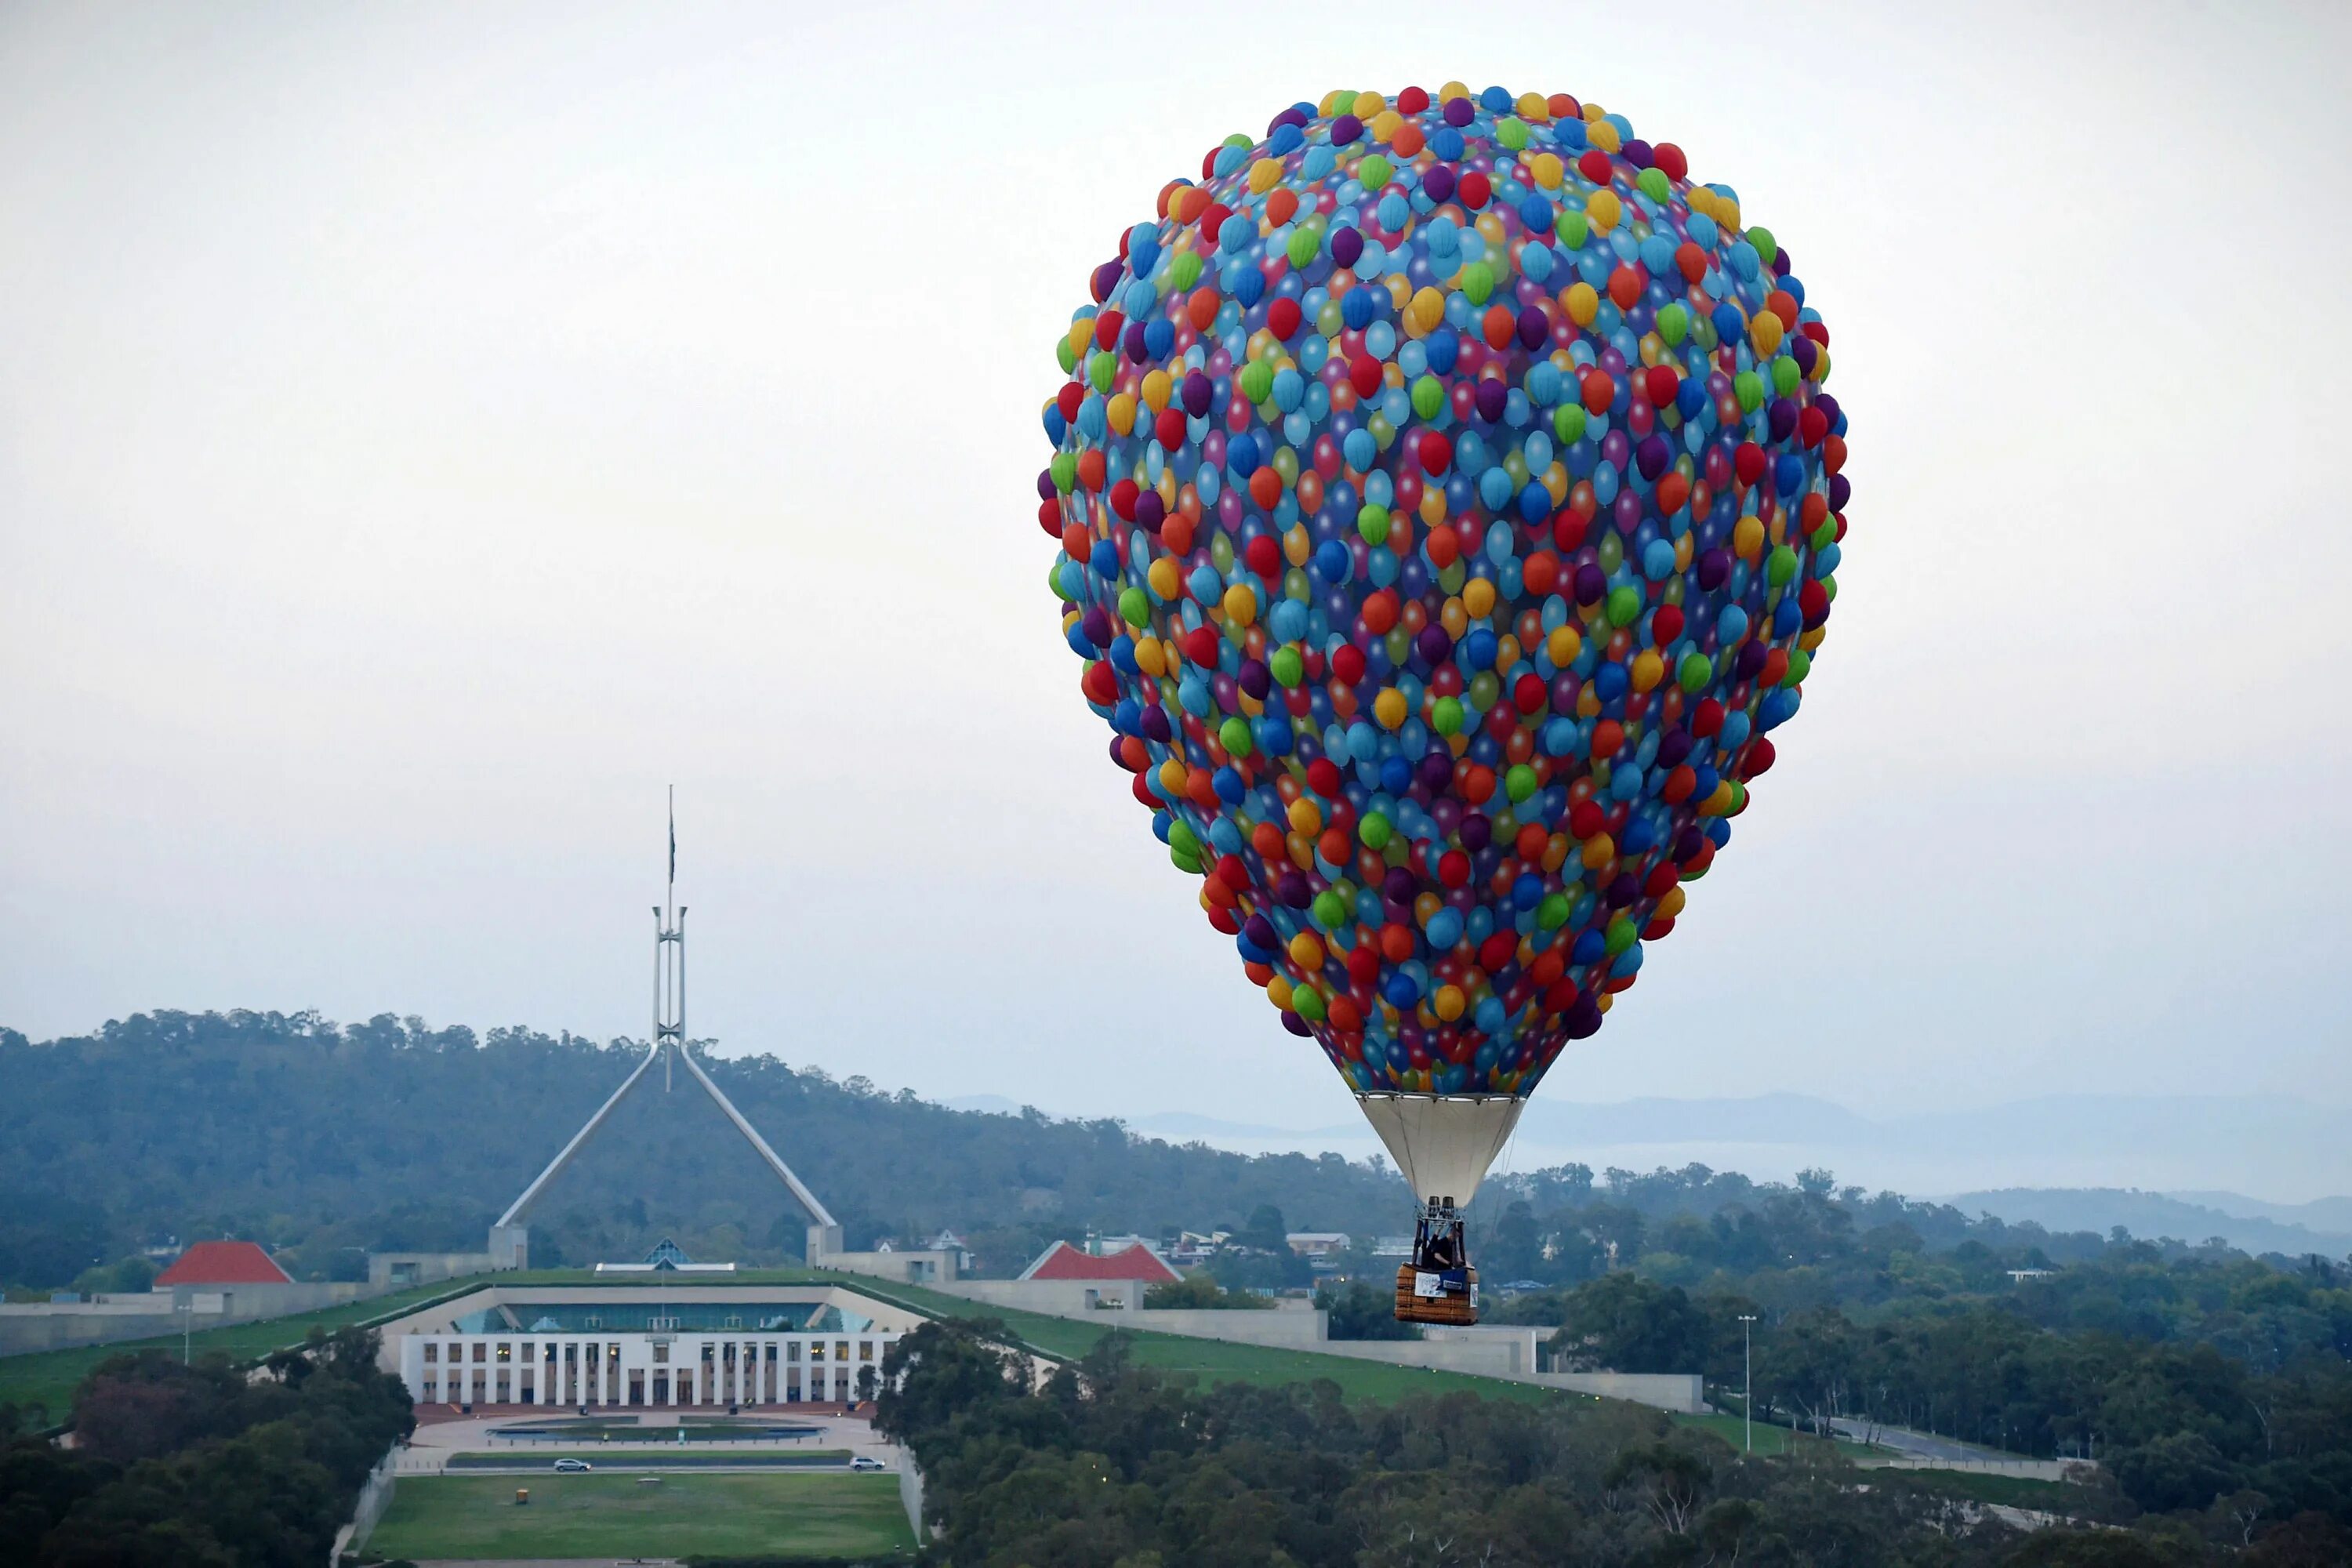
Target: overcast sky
428,432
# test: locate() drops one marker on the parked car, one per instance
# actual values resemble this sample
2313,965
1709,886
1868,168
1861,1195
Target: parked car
571,1465
862,1462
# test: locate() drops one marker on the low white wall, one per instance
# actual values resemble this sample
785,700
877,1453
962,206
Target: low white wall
910,1494
375,1496
933,1270
1682,1393
2028,1469
1486,1350
1479,1360
1057,1298
427,1267
28,1327
1516,1341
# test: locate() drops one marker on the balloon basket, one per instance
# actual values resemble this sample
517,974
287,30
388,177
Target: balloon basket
1449,1297
1439,1285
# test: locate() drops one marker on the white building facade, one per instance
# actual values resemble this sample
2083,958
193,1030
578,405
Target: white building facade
639,1368
646,1346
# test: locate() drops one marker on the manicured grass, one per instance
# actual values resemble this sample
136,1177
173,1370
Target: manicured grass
49,1377
852,1517
1769,1439
670,1458
1211,1360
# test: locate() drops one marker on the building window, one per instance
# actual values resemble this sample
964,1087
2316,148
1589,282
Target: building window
841,1349
506,1352
772,1355
432,1351
481,1352
792,1351
816,1350
866,1349
661,1354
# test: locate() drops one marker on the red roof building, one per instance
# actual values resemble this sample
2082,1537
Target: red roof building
224,1263
1063,1261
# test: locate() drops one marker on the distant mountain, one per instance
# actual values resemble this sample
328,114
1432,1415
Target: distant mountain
2320,1214
2203,1151
986,1104
385,1135
2154,1215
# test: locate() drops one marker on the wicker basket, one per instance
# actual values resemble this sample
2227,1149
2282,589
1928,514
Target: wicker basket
1457,1308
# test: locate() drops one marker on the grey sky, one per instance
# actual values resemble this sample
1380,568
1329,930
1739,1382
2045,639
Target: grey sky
426,432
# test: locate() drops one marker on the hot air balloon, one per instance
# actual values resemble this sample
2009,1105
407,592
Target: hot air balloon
1448,503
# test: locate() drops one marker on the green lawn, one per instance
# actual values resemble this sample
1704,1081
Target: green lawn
49,1377
1211,1360
658,1457
852,1517
1769,1439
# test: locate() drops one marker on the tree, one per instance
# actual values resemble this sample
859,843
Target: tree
1808,1362
1622,1323
1199,1291
1266,1231
1358,1311
1671,1481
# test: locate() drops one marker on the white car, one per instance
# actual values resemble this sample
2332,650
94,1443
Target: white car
570,1466
861,1462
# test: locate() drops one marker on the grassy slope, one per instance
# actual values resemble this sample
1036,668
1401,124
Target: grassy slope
619,1515
1211,1360
49,1377
1769,1439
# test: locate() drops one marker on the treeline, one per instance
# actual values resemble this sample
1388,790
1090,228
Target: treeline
1108,1464
1789,1250
325,1140
2177,1423
1818,1243
204,1466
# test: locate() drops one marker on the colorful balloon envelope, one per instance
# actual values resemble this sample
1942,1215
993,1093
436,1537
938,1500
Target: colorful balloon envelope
1448,503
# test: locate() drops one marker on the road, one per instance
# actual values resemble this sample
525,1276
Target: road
1918,1445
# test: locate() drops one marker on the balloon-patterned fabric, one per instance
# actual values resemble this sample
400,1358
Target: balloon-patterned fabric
1448,503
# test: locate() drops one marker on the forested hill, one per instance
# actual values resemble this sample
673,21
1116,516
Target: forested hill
388,1134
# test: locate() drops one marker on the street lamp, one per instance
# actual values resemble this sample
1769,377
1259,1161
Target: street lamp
1747,1378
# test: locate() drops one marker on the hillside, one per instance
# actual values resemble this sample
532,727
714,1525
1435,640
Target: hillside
390,1135
2157,1215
